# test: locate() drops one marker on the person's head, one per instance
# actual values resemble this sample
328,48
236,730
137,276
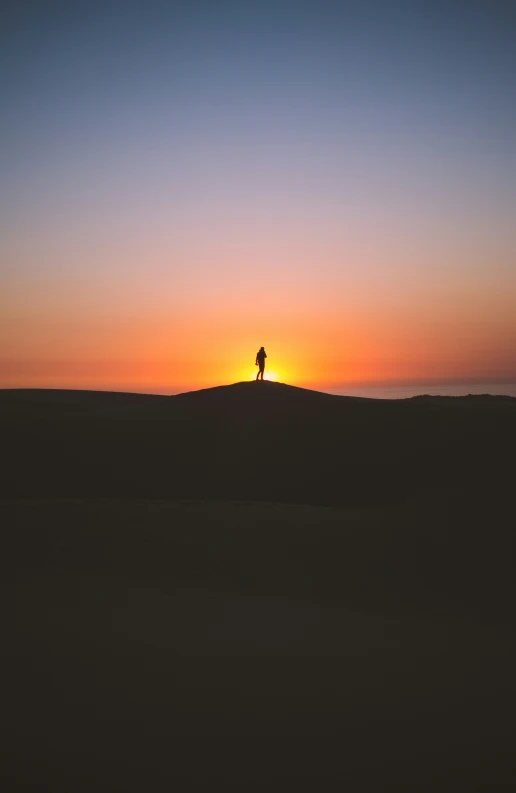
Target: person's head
261,348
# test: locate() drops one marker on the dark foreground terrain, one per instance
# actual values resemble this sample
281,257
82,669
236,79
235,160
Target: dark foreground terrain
172,635
255,441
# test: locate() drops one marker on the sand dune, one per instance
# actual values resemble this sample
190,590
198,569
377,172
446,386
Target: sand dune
259,441
166,645
179,628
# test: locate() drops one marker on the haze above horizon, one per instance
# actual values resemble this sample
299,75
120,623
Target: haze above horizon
184,182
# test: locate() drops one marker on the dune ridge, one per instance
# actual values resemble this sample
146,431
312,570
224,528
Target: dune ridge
258,441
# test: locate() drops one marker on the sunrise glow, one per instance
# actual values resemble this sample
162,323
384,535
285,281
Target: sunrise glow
335,186
268,375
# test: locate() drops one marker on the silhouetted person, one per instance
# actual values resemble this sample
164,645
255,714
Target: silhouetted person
261,355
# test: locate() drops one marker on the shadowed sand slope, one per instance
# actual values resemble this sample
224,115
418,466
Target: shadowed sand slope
247,646
259,441
178,631
259,394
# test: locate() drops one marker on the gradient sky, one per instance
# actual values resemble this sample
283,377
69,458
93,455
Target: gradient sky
182,182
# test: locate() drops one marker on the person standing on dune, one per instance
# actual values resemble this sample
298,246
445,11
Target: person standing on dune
261,355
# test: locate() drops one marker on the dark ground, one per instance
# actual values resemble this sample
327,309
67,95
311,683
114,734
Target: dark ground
255,441
176,630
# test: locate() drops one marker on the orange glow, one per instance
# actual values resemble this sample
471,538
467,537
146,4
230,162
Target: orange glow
168,357
132,335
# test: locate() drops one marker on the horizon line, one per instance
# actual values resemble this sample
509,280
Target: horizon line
374,385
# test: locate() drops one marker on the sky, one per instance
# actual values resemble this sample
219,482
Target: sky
184,182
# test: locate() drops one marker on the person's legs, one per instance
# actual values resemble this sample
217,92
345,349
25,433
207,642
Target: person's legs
261,374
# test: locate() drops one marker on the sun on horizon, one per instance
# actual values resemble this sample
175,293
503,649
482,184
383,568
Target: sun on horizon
269,374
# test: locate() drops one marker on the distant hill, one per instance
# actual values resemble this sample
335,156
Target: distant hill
254,441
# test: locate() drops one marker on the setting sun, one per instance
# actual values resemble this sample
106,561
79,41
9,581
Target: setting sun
269,374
